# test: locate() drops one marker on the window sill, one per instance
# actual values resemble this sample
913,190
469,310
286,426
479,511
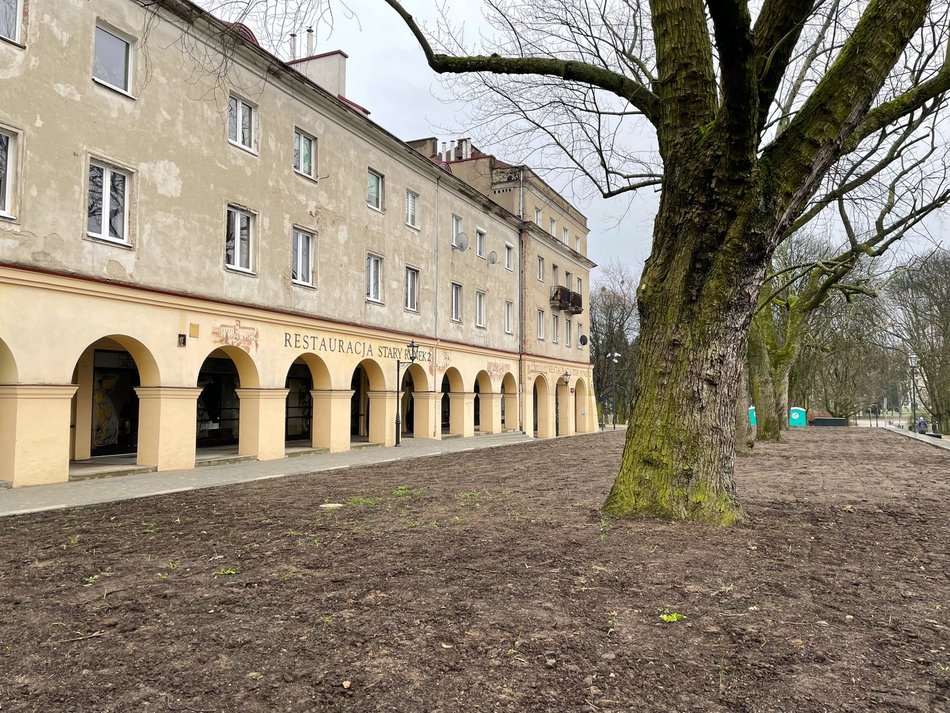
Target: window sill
112,88
509,333
305,285
410,310
509,269
307,176
414,227
103,240
480,257
481,326
375,209
240,270
378,303
11,41
455,321
8,218
246,149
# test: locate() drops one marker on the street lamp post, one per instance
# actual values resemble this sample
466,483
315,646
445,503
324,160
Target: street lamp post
412,351
912,361
614,358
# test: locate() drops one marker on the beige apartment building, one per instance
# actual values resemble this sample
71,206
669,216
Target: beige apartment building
208,252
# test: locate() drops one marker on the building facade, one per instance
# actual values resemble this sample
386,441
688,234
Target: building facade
202,247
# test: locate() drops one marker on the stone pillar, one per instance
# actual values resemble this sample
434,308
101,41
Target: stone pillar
489,411
382,417
34,433
82,431
511,411
462,417
425,407
565,412
262,422
167,426
330,421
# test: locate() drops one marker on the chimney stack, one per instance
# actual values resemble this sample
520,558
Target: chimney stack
310,42
293,45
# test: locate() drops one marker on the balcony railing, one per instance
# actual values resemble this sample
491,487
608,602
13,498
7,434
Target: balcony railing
576,303
560,298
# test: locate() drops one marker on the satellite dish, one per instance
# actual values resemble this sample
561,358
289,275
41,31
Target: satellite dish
583,340
461,242
492,257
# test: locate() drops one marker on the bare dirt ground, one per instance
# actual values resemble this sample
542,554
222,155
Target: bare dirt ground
488,581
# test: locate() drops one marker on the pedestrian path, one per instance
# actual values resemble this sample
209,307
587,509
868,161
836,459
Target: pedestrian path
938,442
20,501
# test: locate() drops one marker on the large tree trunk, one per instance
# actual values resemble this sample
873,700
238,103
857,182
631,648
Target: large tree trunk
694,315
768,423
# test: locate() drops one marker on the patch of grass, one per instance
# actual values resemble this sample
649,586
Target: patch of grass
71,541
604,527
148,527
162,576
403,491
226,572
669,617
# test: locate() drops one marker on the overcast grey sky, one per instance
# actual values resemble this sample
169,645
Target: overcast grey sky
387,74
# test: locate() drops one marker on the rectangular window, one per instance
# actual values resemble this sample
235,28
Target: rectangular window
580,330
479,309
555,332
10,11
553,230
456,229
240,123
555,275
456,302
537,216
479,243
566,236
577,243
568,280
580,286
412,208
374,278
107,205
540,268
509,257
540,324
112,63
7,163
305,154
238,240
374,189
301,261
412,289
509,316
567,333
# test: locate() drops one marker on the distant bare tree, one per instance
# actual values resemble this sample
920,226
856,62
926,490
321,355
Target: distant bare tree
613,330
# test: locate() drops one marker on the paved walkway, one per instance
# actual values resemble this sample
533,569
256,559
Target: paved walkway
938,442
20,501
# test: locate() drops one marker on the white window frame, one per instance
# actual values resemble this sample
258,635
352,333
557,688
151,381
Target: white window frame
566,236
251,227
555,329
580,286
412,208
509,257
540,268
374,269
541,324
456,229
553,225
299,137
129,58
480,238
243,107
509,317
580,331
106,202
412,290
298,235
537,217
456,302
7,193
567,334
480,308
577,243
380,193
17,22
555,275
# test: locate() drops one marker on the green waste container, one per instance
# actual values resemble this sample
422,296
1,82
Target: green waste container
796,417
752,421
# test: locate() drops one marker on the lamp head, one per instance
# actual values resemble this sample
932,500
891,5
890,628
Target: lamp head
412,350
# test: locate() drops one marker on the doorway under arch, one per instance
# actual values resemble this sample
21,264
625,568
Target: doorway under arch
303,418
218,420
542,408
452,403
368,421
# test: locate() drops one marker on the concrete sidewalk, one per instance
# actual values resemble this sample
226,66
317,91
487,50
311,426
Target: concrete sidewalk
938,442
20,501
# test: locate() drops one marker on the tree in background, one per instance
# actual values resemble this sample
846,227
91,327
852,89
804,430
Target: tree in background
613,330
919,300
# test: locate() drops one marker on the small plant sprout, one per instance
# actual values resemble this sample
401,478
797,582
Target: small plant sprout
402,491
360,501
148,527
604,527
668,617
162,576
90,580
226,571
612,623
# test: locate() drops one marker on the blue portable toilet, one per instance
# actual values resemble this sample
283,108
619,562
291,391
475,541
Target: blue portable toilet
752,421
796,417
